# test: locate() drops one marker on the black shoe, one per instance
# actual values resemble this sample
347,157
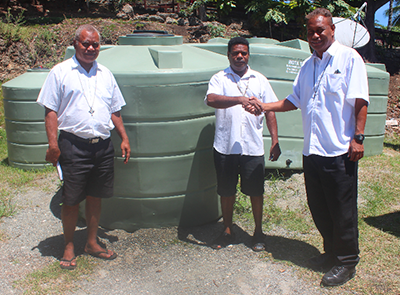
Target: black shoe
338,275
223,240
322,261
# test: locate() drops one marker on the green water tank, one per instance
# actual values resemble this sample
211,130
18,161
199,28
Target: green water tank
24,120
170,178
280,63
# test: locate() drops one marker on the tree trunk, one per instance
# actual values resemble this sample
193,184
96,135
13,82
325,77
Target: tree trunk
372,7
202,12
389,26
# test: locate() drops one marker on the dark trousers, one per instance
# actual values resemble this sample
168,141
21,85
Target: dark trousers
331,185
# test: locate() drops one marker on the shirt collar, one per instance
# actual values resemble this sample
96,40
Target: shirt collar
76,64
248,74
331,51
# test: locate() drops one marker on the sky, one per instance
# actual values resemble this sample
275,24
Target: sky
380,16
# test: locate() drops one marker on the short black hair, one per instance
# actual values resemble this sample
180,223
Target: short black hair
320,11
237,40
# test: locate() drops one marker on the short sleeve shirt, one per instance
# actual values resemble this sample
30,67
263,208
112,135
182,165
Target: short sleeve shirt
238,131
326,91
70,91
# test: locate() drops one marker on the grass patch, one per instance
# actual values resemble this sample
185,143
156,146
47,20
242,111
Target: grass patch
54,280
13,180
2,122
379,222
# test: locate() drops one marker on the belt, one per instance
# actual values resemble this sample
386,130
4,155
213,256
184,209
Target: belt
71,136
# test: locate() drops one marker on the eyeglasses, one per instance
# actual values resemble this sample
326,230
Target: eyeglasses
88,44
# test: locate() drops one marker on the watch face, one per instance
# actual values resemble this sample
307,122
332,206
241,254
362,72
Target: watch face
359,137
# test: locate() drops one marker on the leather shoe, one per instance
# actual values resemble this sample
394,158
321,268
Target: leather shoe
322,261
338,275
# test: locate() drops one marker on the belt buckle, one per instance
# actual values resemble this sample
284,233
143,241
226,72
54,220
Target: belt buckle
94,140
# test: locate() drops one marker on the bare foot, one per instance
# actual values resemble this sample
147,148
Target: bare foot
68,261
99,252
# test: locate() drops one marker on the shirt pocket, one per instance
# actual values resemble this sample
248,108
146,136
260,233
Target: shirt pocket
334,83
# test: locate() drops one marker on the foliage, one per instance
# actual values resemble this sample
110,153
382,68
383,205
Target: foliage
224,7
396,13
12,30
295,10
216,30
44,42
107,31
16,20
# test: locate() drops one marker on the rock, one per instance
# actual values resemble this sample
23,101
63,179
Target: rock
126,12
127,9
183,21
144,17
170,20
122,15
156,18
194,21
166,15
235,26
392,122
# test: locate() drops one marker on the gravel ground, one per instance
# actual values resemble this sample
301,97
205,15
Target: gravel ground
152,261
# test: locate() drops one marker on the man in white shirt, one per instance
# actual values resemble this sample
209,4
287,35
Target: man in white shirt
82,100
331,90
238,141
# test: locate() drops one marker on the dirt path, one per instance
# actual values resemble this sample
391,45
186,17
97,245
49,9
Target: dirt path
151,261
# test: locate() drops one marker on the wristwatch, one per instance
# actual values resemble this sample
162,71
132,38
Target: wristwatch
359,137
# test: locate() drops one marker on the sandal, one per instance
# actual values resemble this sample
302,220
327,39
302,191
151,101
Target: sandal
70,266
258,242
223,240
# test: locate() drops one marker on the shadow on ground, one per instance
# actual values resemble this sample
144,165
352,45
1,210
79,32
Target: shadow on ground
54,246
389,223
281,248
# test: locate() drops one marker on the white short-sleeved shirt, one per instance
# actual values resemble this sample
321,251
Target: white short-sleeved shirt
238,131
326,90
70,91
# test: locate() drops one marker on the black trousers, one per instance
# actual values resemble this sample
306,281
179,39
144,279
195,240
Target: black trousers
331,185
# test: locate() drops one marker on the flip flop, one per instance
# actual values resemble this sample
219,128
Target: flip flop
258,242
222,241
70,266
97,255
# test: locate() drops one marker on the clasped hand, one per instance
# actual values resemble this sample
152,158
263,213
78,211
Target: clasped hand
252,105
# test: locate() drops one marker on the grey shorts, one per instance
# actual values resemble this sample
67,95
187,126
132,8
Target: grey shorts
88,168
250,168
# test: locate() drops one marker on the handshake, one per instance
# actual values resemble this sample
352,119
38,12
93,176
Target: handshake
252,105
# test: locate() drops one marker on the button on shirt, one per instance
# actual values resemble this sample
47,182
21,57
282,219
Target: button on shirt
238,131
326,90
70,91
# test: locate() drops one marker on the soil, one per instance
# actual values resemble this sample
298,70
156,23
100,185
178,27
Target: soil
47,47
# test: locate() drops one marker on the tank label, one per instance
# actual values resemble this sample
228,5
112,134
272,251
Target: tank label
293,66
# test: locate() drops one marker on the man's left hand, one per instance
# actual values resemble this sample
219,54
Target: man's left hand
274,152
356,151
126,150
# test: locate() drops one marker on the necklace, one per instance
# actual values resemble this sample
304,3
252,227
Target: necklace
237,85
320,78
91,110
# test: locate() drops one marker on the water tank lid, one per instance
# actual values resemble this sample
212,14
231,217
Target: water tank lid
152,33
38,69
150,38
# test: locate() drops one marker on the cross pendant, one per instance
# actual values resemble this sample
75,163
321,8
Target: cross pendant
91,111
